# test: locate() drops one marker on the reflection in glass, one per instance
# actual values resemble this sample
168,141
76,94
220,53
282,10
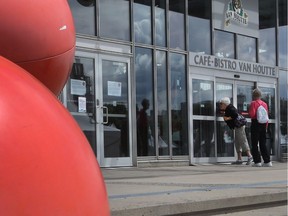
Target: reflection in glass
270,138
160,23
268,95
142,21
225,140
178,104
267,52
163,124
81,84
267,38
223,90
283,35
246,47
224,44
84,17
283,95
199,26
203,98
81,97
115,98
177,24
118,25
244,98
283,54
203,138
144,90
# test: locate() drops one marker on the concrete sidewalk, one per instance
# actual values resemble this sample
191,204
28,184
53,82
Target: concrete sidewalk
193,189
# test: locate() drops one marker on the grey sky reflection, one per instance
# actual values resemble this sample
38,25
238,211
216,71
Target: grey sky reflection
82,18
115,26
142,23
143,69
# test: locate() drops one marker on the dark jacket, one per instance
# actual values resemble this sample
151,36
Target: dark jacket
232,112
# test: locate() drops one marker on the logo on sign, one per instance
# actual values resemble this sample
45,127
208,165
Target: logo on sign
236,13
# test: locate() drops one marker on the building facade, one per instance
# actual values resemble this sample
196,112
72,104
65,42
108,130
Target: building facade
148,75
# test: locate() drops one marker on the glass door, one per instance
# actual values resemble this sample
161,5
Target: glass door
79,95
268,95
96,95
244,97
225,136
113,111
240,94
203,136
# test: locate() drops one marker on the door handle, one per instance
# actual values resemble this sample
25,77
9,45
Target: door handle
106,113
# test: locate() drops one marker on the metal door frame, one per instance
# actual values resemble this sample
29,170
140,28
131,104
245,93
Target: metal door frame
275,121
106,162
234,83
115,161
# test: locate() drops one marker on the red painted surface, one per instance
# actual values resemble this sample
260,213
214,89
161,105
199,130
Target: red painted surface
47,166
38,35
46,163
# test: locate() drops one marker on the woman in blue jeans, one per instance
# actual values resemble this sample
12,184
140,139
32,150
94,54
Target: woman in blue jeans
258,131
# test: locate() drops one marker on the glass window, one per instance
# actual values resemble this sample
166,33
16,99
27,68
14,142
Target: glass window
204,142
177,24
163,124
224,44
268,95
244,98
178,104
267,40
114,19
223,90
283,95
283,28
203,97
246,48
199,26
81,97
84,16
142,21
160,23
144,102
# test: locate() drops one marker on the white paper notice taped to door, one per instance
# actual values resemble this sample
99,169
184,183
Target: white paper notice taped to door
78,87
114,88
82,104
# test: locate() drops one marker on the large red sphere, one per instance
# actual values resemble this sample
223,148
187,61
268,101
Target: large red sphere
40,37
47,166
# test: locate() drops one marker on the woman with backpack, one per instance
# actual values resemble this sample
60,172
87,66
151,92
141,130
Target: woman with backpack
258,112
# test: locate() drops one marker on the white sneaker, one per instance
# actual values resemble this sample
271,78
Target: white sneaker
257,165
250,159
269,164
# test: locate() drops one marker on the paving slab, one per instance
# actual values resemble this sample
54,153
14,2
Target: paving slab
187,189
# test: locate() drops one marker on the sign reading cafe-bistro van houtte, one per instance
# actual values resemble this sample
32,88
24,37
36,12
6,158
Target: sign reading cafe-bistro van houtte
232,65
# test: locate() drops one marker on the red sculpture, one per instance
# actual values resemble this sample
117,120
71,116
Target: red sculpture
39,36
46,163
